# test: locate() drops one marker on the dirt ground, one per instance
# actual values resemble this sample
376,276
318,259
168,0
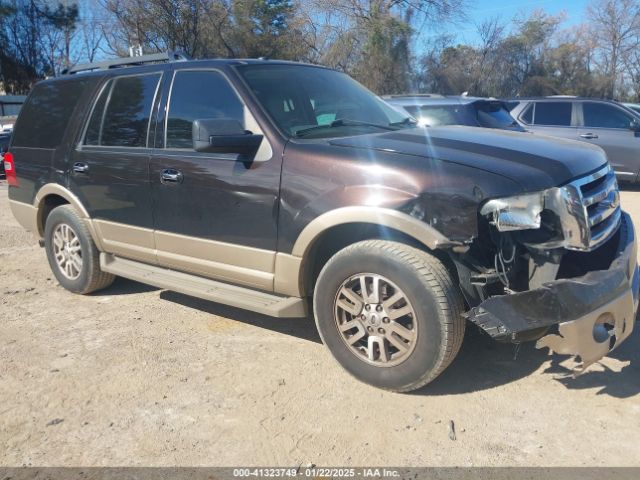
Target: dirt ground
138,376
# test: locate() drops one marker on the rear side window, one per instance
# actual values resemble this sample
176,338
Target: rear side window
552,113
441,115
195,95
601,115
10,108
527,115
44,117
493,115
122,112
92,137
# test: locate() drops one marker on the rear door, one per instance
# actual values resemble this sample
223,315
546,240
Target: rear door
551,117
110,168
608,126
215,214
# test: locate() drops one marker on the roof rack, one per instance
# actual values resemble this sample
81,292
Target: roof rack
127,62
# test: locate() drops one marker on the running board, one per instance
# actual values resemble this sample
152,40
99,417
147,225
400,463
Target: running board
207,289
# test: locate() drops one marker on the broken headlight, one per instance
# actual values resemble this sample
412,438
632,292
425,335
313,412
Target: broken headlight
521,212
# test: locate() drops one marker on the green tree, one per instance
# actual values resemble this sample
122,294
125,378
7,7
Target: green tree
266,28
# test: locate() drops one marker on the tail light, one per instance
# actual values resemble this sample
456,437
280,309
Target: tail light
10,169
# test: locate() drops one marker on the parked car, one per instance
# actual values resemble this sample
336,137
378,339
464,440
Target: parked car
432,110
9,108
605,123
271,185
633,106
5,138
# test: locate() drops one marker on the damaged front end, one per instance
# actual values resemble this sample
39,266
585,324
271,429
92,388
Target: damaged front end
565,257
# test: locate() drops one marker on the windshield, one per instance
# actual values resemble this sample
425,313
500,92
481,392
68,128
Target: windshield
312,102
494,115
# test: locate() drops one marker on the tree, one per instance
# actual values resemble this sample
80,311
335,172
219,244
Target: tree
615,25
267,28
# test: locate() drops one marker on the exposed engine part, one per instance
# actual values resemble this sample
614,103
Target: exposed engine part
503,263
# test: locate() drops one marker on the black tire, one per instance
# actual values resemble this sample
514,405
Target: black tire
427,285
90,278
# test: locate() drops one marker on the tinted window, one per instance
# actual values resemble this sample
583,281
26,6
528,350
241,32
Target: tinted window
493,115
92,137
553,113
527,115
126,119
198,95
440,115
43,119
605,116
11,108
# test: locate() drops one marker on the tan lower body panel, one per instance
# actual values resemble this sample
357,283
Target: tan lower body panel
126,240
286,279
233,295
26,215
257,268
238,264
233,263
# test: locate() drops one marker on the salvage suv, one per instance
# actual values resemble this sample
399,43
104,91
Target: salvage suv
273,186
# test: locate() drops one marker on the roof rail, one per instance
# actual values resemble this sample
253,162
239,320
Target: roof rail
128,61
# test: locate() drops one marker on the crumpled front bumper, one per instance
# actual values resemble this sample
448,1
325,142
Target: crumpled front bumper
594,313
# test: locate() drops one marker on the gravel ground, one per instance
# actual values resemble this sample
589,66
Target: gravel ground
138,376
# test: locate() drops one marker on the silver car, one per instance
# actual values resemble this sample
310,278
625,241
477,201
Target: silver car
608,124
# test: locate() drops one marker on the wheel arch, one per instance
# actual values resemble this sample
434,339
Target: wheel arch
50,196
53,195
337,229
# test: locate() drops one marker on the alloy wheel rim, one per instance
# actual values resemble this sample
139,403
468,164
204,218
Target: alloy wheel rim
375,319
67,251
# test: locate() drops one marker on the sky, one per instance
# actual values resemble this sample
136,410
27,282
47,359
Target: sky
479,10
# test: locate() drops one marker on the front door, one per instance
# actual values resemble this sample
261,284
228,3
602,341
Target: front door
608,126
214,214
109,171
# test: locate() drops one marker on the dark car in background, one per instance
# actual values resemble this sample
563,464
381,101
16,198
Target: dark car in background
10,106
433,110
605,123
5,138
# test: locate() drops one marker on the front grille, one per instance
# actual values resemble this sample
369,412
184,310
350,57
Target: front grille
600,200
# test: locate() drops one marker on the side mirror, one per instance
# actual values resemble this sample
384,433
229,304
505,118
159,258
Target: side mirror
634,126
223,135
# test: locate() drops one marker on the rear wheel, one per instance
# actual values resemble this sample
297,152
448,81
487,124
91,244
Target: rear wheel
389,313
72,254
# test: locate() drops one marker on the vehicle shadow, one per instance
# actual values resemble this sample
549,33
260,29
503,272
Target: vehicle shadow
629,187
303,328
483,363
124,286
620,384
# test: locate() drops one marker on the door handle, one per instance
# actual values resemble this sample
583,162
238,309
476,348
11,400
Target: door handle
80,167
170,175
589,136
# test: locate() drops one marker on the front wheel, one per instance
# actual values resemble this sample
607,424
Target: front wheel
389,313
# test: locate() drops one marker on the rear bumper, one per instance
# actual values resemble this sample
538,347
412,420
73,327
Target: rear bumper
594,313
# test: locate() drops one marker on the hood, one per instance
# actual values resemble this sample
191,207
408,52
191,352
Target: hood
535,162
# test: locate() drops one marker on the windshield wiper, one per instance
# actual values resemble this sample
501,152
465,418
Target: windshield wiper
343,122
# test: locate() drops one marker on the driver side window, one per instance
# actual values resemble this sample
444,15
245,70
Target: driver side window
199,94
